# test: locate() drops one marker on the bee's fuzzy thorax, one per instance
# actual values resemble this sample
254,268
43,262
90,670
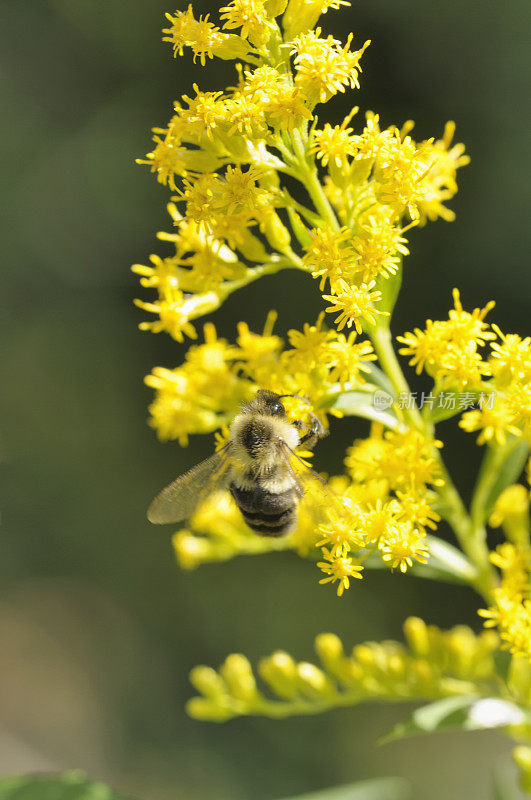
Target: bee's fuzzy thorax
255,437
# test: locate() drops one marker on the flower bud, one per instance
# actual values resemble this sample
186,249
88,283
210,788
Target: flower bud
301,16
276,232
461,644
280,672
190,550
231,47
274,8
207,681
238,675
511,510
329,648
417,638
422,677
359,170
299,228
313,681
365,655
396,665
202,709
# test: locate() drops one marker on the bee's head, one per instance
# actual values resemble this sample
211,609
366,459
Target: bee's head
267,402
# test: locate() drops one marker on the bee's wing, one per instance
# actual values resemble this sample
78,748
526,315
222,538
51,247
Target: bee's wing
179,500
315,495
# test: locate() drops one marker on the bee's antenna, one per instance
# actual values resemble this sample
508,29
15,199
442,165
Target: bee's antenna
297,397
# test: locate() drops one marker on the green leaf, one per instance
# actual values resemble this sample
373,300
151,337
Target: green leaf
378,377
375,406
446,563
449,562
502,661
299,228
71,785
380,789
389,287
453,399
359,170
464,713
501,467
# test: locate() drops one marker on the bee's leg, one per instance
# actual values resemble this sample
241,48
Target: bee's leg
314,431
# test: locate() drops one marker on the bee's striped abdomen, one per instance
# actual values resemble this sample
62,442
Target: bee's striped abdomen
268,513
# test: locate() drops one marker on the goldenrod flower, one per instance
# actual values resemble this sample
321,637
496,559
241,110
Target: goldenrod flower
415,507
511,358
439,183
340,569
513,501
448,350
402,543
286,108
494,424
310,347
334,143
257,348
464,327
206,111
380,247
323,67
201,35
250,16
378,519
399,171
355,304
329,254
241,190
340,537
349,358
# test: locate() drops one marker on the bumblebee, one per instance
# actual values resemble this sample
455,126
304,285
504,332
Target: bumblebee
255,466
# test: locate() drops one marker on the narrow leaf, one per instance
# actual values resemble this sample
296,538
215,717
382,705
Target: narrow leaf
504,475
446,563
378,377
464,713
448,404
389,287
375,406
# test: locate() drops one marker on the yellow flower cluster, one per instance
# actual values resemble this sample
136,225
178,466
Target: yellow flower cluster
435,664
224,153
206,392
451,352
511,610
448,350
385,508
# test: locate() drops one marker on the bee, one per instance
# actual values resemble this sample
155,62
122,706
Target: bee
255,466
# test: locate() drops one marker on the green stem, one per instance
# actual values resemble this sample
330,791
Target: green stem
276,709
309,177
471,538
257,272
383,345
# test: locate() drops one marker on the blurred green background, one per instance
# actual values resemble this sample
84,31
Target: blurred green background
98,626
